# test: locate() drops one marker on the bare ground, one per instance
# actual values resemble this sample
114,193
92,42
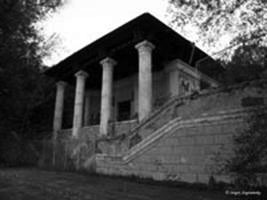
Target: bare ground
31,184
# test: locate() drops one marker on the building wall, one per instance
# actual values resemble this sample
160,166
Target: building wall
68,107
127,89
94,107
183,79
124,91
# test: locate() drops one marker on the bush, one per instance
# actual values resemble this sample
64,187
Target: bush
250,151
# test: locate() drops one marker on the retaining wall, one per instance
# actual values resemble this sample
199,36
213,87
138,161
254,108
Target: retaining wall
195,148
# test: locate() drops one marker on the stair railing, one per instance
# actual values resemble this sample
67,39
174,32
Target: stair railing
133,136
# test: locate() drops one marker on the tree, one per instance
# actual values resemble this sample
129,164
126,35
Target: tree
22,86
248,62
219,24
250,150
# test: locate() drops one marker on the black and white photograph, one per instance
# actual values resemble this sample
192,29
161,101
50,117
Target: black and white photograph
133,100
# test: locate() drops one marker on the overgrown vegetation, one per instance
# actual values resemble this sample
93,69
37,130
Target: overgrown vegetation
250,152
22,86
217,22
234,32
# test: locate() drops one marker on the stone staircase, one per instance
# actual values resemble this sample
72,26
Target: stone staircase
176,124
177,140
163,117
155,122
149,152
145,143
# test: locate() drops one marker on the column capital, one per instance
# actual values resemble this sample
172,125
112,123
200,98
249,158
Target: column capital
169,68
145,46
81,73
108,61
61,84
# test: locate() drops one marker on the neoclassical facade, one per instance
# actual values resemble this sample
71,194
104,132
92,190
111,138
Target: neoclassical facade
128,73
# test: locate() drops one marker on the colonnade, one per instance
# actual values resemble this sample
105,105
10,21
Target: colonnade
144,49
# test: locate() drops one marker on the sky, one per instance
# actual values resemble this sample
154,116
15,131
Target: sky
80,22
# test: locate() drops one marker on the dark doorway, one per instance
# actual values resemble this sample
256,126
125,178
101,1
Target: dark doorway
124,110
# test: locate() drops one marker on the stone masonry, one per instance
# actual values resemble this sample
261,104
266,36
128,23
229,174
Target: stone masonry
194,144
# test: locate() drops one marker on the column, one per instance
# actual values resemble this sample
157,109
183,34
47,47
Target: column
106,94
144,78
57,125
173,79
86,109
59,105
79,98
136,97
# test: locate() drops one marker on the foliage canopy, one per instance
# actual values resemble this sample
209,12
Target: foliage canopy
22,86
219,24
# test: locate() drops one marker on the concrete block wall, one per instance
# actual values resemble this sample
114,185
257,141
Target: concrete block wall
186,154
189,154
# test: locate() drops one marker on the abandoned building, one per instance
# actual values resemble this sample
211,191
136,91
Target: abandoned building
124,74
134,113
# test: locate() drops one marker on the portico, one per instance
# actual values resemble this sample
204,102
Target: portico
144,49
125,74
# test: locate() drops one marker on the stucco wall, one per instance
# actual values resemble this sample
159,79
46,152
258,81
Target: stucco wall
127,89
183,79
94,107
